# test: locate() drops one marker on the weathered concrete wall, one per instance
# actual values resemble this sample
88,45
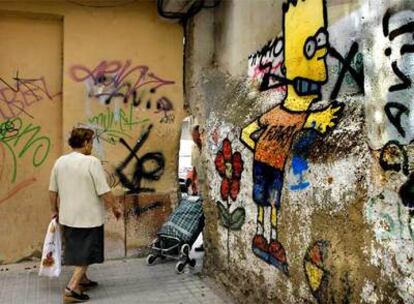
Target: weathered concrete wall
117,69
306,112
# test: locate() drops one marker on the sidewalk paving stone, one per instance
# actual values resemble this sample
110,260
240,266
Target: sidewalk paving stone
120,281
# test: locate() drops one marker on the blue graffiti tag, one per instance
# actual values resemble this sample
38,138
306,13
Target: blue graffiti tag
299,163
299,167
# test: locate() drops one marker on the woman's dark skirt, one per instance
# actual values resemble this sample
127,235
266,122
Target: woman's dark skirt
83,246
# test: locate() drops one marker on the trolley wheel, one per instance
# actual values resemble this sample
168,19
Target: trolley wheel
185,249
179,267
151,259
192,262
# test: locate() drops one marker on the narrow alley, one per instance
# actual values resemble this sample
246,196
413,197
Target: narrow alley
280,132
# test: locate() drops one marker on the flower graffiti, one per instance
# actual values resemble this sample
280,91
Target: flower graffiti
229,166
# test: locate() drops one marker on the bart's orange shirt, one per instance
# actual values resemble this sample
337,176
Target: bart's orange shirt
281,127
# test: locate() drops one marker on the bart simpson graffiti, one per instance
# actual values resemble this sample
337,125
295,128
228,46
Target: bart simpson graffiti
271,135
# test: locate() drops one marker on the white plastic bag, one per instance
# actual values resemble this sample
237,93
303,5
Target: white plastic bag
50,264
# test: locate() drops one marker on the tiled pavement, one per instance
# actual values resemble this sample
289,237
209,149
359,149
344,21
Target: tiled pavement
121,281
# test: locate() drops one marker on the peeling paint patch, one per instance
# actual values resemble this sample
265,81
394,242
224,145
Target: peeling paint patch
368,294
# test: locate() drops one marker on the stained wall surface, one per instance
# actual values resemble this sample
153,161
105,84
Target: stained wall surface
307,131
116,69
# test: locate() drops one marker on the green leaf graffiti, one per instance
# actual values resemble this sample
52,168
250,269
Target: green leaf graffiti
223,215
234,220
237,218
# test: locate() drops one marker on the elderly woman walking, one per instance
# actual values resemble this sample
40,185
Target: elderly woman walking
79,184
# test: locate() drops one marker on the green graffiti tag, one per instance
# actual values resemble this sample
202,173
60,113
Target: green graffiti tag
389,219
114,125
14,132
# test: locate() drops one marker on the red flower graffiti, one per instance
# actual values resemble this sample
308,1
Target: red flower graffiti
230,167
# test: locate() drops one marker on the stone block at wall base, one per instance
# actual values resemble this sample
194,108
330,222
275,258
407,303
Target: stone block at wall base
145,214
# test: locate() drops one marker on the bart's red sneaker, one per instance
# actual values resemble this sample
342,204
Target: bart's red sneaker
260,247
277,256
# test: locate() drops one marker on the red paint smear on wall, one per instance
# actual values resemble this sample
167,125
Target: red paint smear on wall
19,187
2,160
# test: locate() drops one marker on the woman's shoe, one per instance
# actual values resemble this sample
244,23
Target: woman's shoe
71,296
88,285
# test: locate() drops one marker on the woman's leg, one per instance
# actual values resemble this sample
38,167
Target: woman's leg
77,276
85,279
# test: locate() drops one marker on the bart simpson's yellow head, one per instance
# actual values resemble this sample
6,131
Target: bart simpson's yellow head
305,39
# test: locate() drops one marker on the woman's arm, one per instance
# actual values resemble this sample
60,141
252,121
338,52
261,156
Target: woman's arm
53,198
110,202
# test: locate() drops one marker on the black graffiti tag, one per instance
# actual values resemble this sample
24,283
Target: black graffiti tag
395,117
346,67
138,210
405,81
394,157
407,28
165,106
143,168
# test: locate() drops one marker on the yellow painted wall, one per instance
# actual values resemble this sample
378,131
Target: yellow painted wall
70,43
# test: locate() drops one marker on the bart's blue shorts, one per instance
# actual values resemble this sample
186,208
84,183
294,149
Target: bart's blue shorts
267,184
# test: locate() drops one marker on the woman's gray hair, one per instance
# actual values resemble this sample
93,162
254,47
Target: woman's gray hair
78,136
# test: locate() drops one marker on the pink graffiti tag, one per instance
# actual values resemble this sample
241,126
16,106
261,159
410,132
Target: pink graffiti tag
14,99
261,70
114,76
17,188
